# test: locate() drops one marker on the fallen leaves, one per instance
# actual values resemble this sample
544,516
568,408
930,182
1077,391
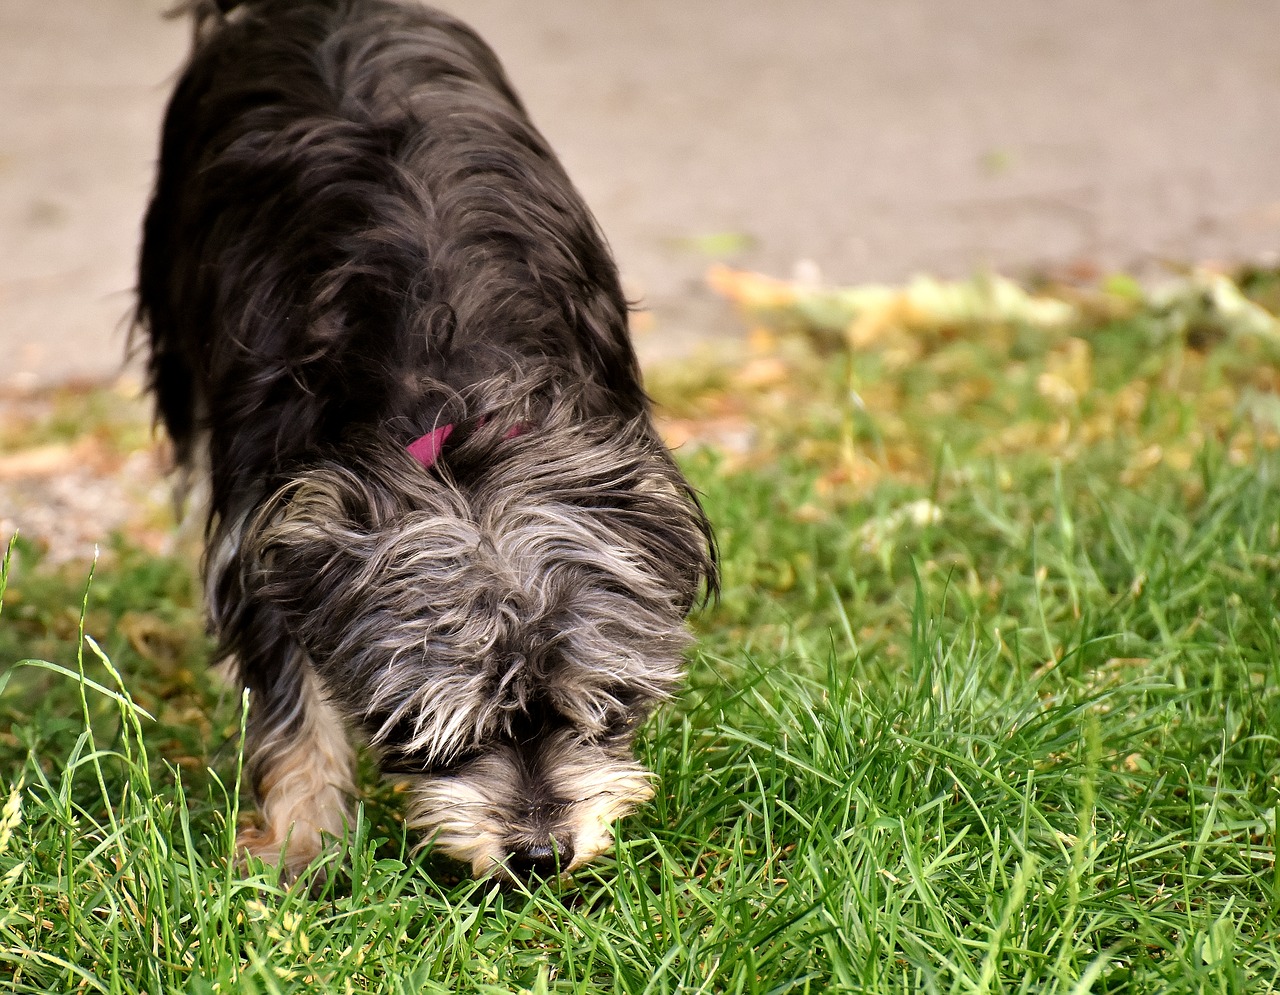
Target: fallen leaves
877,378
868,316
37,461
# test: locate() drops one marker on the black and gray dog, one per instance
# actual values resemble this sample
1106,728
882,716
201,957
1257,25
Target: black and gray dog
385,325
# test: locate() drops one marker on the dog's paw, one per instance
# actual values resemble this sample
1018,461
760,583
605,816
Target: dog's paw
291,854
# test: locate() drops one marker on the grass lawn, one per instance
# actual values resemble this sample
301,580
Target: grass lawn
990,702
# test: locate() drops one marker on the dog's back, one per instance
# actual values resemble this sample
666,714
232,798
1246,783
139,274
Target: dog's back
354,219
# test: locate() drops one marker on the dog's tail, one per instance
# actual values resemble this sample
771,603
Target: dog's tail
206,8
203,10
206,15
210,7
210,13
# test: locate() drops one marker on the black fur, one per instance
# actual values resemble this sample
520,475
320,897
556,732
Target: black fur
405,226
357,236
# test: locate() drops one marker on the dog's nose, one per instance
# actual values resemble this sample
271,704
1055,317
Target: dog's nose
542,859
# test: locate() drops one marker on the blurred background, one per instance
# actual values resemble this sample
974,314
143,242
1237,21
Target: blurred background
871,139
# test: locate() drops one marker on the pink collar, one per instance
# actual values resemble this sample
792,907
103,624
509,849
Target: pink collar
426,449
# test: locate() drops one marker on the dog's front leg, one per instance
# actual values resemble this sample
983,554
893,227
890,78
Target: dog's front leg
300,764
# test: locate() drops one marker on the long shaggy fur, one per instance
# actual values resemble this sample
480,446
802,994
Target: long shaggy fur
356,237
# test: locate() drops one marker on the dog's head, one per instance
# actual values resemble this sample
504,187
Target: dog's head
499,624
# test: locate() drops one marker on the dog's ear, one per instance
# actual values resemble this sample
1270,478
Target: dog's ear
624,478
571,450
307,542
624,553
648,502
664,513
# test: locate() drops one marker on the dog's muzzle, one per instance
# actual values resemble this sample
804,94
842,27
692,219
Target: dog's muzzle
527,861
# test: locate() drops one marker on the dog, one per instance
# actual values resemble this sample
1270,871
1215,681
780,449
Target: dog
385,330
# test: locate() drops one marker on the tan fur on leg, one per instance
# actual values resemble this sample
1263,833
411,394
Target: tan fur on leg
303,795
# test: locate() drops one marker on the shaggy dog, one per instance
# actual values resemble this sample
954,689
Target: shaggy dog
385,326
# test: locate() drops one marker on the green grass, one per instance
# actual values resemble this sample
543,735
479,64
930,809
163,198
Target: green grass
990,703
